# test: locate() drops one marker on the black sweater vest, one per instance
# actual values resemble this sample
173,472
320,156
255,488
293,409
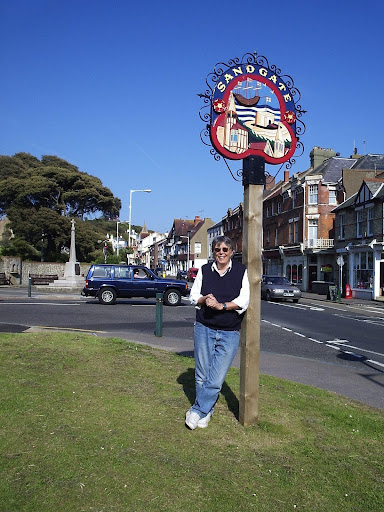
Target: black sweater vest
225,289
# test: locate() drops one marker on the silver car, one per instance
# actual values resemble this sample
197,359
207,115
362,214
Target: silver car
279,287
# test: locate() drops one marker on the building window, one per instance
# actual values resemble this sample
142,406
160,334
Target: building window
313,194
279,207
359,223
288,272
268,236
296,231
291,232
268,211
363,270
332,197
370,221
276,236
342,226
312,232
293,198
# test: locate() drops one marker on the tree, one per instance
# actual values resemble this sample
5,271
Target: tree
40,197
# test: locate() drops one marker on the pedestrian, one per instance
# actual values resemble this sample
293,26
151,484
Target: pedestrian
221,296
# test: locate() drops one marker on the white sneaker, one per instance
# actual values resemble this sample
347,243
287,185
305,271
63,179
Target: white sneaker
203,422
192,419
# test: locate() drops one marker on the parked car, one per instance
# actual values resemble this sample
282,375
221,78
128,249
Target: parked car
279,287
110,282
192,273
181,274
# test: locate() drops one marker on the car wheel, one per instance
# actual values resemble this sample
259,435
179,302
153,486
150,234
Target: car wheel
172,298
295,300
107,296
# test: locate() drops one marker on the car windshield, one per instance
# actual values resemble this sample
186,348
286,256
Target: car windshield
276,280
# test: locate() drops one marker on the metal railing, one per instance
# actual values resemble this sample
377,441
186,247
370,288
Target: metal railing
319,243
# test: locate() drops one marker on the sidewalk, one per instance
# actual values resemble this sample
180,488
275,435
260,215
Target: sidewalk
343,300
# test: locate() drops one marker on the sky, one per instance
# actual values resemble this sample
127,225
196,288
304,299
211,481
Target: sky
112,87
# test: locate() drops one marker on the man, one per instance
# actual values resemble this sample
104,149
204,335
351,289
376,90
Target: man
221,296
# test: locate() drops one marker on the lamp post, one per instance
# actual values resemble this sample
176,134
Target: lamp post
130,212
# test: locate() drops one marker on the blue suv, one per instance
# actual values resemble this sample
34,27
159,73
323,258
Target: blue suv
110,282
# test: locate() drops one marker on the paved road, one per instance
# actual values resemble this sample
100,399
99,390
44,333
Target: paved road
338,347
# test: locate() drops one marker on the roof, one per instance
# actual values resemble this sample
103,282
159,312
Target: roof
370,162
332,168
376,187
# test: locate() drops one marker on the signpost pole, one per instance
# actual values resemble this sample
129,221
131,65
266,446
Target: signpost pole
253,181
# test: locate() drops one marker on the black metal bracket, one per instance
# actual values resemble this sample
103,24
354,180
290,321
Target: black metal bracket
253,171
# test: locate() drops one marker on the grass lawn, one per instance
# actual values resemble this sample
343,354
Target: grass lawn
91,424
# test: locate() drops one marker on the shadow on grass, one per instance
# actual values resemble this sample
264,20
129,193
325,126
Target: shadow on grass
187,380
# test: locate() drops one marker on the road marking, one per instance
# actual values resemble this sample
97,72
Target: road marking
364,320
335,344
374,362
297,306
316,341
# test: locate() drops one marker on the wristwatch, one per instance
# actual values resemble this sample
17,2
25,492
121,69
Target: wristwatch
224,306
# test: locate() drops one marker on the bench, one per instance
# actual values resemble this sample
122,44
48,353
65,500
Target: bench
4,279
43,278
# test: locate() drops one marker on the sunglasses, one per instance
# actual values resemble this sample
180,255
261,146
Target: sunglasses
221,249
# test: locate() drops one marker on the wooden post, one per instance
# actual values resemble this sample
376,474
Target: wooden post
253,181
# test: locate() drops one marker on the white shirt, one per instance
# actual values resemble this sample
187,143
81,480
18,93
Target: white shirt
242,300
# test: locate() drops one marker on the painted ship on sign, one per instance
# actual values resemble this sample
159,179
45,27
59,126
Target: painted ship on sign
246,92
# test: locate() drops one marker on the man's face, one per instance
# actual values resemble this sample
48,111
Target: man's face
223,254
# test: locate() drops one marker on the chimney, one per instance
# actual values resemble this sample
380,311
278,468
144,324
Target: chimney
286,176
319,155
197,220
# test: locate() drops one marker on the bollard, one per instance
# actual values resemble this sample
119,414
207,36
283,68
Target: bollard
159,315
29,287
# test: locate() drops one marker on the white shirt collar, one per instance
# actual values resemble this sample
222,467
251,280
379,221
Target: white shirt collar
228,269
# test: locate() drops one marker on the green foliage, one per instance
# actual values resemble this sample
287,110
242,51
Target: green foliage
21,248
40,197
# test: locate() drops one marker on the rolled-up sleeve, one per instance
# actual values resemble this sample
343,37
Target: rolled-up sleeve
242,300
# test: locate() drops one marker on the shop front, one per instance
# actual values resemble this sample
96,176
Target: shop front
366,270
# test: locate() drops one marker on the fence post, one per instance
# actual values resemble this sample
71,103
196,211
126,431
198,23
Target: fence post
159,315
29,286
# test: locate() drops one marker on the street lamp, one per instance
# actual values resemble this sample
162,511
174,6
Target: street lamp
130,211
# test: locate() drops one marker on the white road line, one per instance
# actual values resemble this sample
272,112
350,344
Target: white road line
375,362
316,341
299,334
363,320
286,329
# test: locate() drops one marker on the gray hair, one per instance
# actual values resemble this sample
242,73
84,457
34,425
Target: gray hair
222,239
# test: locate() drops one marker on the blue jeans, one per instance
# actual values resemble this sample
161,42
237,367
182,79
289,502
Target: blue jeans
214,354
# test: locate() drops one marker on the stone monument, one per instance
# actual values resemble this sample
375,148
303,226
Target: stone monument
70,279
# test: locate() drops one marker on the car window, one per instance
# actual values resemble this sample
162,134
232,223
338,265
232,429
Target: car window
276,280
100,271
121,272
140,273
